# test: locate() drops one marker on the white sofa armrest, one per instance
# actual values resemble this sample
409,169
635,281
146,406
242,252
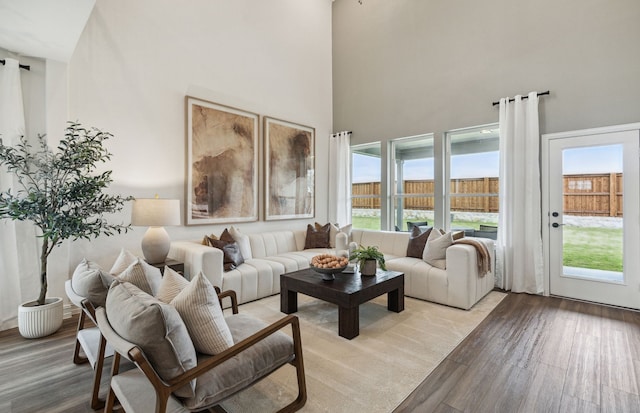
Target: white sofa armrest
466,285
198,257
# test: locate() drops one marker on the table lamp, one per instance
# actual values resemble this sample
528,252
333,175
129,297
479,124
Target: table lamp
155,213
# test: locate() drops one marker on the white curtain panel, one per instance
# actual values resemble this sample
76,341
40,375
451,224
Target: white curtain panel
12,126
340,178
519,265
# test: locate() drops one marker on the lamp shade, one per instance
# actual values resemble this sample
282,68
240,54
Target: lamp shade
155,212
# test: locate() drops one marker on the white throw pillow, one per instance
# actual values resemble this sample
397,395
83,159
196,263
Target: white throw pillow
435,252
171,285
243,242
89,281
200,310
144,276
124,260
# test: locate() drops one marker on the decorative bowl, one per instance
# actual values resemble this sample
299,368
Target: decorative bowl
328,274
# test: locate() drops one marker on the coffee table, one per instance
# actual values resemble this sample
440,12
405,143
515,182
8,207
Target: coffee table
347,291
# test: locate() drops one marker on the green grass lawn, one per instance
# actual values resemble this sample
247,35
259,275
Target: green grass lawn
595,248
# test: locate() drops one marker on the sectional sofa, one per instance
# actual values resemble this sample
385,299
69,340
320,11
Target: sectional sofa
268,255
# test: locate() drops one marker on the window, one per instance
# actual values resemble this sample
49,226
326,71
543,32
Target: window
366,186
473,168
413,182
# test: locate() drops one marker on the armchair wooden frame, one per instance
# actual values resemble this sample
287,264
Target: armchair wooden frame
94,347
163,389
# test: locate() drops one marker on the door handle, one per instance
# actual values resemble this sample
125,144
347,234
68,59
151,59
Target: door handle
556,225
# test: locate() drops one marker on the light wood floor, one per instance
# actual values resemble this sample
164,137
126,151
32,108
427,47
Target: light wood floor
532,354
539,354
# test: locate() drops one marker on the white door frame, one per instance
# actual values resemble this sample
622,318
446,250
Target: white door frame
546,207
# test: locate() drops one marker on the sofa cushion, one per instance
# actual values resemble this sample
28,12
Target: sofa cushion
91,282
170,285
317,236
200,310
417,241
435,252
232,255
247,367
155,327
144,276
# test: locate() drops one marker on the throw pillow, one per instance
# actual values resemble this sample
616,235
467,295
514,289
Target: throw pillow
124,260
317,237
435,252
154,326
205,239
200,310
232,255
171,285
144,276
417,241
243,242
89,281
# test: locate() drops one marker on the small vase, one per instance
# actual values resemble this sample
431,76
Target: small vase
35,321
369,267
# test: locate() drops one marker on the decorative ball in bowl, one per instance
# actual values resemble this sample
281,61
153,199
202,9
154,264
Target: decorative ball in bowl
328,265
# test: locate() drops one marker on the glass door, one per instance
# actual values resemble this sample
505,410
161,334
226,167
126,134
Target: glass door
593,223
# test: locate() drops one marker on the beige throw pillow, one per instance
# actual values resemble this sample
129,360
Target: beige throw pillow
171,285
200,310
124,260
154,326
144,276
89,281
435,252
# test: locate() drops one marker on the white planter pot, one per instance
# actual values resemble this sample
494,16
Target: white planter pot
36,321
369,268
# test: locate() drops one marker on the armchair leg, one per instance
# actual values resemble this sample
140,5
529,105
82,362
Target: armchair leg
299,365
96,402
77,358
115,368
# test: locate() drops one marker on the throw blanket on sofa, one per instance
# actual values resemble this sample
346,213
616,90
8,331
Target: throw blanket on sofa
484,258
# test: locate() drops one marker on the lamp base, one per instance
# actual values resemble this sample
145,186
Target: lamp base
155,245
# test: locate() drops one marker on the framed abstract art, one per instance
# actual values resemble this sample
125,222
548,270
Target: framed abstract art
289,170
222,163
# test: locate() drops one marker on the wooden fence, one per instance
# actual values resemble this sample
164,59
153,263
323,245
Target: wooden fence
587,194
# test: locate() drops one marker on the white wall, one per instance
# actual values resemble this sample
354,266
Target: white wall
136,61
407,67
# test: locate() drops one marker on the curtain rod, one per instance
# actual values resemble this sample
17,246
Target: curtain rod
524,97
25,67
333,135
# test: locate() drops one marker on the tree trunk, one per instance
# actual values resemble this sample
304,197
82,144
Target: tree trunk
44,254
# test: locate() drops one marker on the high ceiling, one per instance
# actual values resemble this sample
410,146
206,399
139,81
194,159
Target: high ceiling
47,29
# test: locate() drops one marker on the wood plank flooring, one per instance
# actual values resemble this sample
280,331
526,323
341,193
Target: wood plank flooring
531,354
539,354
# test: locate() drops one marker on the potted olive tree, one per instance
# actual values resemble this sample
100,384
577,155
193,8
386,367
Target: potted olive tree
63,195
368,259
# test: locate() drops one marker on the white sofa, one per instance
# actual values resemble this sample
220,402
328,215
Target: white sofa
278,252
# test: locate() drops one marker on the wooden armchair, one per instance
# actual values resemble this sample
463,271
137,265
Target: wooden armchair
143,390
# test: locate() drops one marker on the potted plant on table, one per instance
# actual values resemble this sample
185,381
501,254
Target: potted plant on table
368,259
64,197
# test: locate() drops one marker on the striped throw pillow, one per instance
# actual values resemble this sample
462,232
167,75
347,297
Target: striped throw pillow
200,310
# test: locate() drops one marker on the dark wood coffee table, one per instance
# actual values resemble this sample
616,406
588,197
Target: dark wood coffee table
347,291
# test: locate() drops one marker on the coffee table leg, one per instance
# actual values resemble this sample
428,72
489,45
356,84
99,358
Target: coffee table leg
348,322
395,300
288,301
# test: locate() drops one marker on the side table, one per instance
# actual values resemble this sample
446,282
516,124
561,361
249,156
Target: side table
177,266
